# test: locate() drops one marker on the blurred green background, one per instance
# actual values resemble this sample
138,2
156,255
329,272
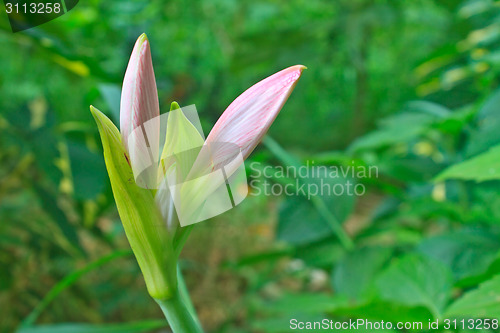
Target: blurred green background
407,86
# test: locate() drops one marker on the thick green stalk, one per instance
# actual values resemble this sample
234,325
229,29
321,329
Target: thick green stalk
178,315
143,223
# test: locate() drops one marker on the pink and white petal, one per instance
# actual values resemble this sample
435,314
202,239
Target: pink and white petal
139,99
233,138
249,116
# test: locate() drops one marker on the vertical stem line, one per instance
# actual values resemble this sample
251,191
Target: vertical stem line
63,3
183,291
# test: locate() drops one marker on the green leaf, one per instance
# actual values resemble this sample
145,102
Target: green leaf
492,270
141,219
303,303
483,302
111,94
87,170
429,108
51,207
485,166
353,275
415,280
287,325
486,133
467,252
134,327
68,281
329,209
320,254
408,168
399,128
281,324
303,221
299,223
387,311
304,307
316,307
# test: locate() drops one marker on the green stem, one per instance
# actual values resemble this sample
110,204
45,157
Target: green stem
290,160
178,316
185,296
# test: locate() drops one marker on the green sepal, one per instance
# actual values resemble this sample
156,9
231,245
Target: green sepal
141,219
182,143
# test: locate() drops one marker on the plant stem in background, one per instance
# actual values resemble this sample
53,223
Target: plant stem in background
288,159
181,285
67,282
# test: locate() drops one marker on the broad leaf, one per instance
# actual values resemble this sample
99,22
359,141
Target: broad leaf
486,134
403,127
303,303
467,253
87,171
485,166
142,221
388,311
416,281
483,302
354,274
307,215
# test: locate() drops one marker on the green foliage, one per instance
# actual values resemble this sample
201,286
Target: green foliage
435,233
483,167
408,87
303,221
404,127
467,252
66,283
478,303
137,327
354,274
416,281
